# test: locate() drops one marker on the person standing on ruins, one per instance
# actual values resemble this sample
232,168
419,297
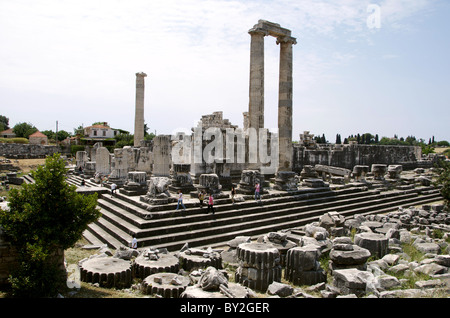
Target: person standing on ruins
210,204
113,189
257,189
180,200
233,193
201,197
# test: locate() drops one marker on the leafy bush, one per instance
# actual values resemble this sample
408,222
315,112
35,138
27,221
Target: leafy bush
16,140
44,217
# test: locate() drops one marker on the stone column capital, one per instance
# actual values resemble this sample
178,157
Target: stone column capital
258,31
142,74
286,39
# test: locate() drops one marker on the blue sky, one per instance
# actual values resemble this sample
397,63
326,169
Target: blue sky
75,62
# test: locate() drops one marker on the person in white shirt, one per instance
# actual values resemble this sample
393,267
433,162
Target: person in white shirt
180,200
113,189
134,243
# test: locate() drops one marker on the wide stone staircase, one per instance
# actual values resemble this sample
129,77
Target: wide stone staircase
162,226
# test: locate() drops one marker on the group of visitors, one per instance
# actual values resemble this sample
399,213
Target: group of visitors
202,196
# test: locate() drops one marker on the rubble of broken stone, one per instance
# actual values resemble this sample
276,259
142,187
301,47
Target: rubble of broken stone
363,256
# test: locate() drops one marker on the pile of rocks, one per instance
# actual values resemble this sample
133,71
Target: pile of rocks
363,256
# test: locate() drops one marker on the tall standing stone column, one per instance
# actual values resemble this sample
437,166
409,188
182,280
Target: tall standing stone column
256,92
285,103
139,113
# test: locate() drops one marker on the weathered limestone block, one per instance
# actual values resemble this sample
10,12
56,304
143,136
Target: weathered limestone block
162,146
259,265
360,172
379,170
212,279
81,157
307,172
158,191
352,281
343,256
331,220
182,179
280,241
136,183
303,267
394,171
151,263
107,272
377,244
286,181
209,183
248,180
103,161
279,289
194,258
314,183
167,285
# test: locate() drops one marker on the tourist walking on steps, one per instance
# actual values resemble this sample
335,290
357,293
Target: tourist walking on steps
233,193
201,197
180,200
257,189
211,204
113,189
134,243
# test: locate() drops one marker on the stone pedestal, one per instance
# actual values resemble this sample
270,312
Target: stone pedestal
211,185
286,181
136,183
359,172
378,171
158,191
89,169
394,171
248,180
182,179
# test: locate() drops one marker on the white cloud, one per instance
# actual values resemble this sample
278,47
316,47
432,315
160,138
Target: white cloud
195,52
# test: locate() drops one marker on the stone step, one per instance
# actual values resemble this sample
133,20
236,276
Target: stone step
96,234
268,217
116,225
220,239
194,218
207,235
124,217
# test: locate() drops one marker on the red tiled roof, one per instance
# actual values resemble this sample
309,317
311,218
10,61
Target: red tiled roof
7,131
37,134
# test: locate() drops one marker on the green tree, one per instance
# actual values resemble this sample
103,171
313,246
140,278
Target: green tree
44,217
78,131
4,123
24,129
124,140
62,134
49,133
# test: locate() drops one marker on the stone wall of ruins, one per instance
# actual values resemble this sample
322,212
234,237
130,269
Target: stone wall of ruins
347,156
26,151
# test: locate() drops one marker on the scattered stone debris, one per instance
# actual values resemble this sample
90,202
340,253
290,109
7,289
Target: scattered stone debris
365,257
